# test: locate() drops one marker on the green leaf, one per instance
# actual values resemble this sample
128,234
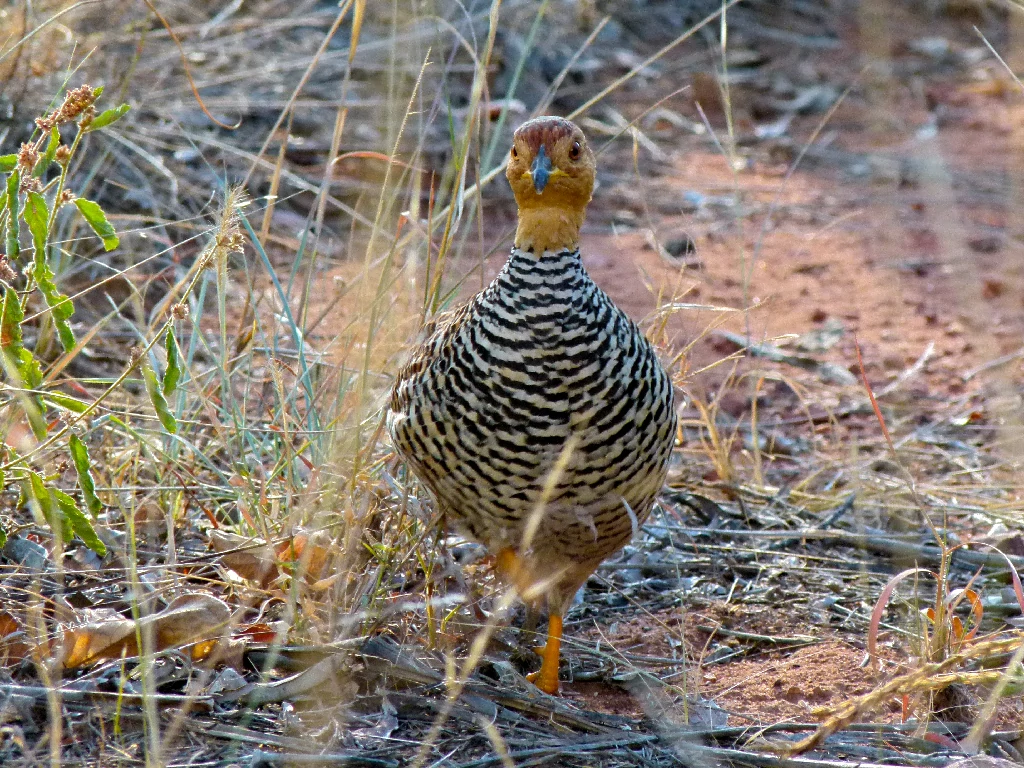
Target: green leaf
3,537
11,318
61,307
8,163
81,525
97,92
172,374
105,118
44,506
28,368
28,373
13,247
19,364
83,467
157,396
73,404
98,221
37,217
48,155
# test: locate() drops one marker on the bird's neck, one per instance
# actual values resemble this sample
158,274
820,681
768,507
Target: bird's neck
548,228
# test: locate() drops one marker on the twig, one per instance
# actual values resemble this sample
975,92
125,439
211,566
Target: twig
996,363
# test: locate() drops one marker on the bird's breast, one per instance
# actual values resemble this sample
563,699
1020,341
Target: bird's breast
541,360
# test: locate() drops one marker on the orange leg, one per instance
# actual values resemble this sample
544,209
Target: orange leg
508,565
512,569
546,678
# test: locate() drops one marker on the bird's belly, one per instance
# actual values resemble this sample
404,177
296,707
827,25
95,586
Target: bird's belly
495,462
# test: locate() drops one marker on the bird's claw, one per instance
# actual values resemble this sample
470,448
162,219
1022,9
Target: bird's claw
544,680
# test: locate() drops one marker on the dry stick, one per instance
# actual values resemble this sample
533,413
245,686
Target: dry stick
342,12
991,364
188,70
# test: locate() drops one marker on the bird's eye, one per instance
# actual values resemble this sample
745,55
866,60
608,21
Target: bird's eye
515,153
574,151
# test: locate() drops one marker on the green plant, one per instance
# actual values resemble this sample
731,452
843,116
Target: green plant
36,192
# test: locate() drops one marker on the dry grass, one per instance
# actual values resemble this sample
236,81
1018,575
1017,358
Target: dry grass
272,579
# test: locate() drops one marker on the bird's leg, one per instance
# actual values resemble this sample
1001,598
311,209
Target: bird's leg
514,571
530,621
511,568
546,678
508,564
527,637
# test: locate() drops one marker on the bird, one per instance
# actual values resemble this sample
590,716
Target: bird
538,415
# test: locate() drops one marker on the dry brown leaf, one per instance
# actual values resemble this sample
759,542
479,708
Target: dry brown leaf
250,558
309,552
189,618
103,634
195,620
13,647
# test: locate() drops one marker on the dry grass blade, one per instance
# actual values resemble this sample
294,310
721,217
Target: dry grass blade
927,677
208,550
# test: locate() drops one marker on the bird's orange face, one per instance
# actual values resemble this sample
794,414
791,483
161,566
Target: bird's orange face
551,165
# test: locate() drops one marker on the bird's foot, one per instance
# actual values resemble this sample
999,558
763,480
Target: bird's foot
546,678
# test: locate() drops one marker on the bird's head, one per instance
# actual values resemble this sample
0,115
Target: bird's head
551,169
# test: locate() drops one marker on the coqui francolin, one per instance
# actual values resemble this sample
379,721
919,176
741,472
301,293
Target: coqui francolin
538,414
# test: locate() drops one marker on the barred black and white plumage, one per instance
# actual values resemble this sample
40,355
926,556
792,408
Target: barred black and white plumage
539,370
484,413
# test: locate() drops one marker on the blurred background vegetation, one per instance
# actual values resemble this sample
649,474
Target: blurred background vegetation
813,207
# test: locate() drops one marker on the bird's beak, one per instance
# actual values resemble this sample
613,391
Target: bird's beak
540,171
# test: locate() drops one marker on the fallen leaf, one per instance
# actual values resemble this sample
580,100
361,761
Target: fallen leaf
13,647
309,552
195,621
250,558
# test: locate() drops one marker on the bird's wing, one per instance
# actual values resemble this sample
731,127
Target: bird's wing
438,332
